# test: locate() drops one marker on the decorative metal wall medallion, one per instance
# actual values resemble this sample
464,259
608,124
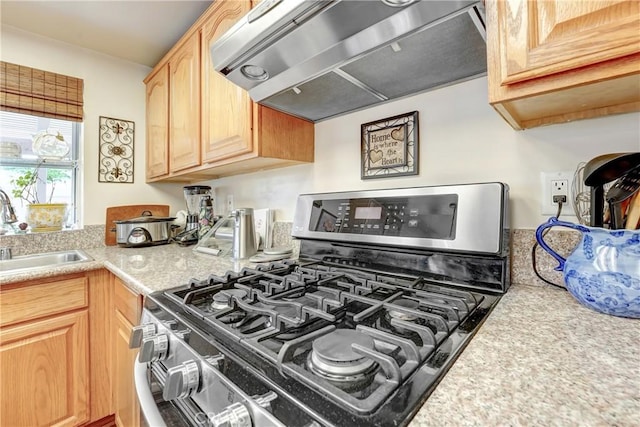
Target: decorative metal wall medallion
116,150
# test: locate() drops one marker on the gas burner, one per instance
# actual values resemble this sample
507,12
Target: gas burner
222,300
402,315
394,317
333,359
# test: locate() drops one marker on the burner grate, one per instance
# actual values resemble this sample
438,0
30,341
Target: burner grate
396,358
281,310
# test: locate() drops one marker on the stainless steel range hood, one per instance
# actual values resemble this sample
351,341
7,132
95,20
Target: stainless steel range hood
322,59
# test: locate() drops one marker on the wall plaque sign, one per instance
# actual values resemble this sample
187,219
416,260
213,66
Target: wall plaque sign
116,138
390,147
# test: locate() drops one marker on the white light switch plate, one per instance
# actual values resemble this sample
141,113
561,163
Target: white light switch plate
263,221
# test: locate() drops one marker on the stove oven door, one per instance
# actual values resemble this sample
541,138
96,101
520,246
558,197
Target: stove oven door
154,410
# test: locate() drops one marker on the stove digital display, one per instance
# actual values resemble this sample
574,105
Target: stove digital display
368,212
432,216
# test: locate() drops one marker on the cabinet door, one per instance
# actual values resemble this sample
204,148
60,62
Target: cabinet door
44,372
158,124
100,343
184,113
226,108
541,38
127,312
126,400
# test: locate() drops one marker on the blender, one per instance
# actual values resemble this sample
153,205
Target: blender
193,194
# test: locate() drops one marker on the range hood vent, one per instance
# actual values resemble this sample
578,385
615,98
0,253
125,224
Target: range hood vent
325,59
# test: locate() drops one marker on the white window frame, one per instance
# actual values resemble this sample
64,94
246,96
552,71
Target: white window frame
71,163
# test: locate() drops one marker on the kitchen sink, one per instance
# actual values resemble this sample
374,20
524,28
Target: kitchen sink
43,260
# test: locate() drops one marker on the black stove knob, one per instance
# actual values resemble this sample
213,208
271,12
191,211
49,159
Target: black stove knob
138,333
182,381
154,348
236,415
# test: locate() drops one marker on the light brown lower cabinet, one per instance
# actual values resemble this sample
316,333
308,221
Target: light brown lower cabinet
126,314
64,352
44,352
45,375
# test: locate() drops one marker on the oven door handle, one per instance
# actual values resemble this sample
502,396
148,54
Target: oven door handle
148,406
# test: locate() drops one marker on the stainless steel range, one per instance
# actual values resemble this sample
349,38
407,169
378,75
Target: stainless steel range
389,287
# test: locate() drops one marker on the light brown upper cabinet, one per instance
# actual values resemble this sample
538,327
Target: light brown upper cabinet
184,105
226,108
213,127
157,123
555,61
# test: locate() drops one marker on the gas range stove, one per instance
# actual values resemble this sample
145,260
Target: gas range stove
357,331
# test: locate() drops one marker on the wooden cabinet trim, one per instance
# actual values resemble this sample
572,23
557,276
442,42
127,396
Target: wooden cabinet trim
283,137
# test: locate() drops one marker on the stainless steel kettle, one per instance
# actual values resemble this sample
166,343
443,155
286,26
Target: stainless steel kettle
244,234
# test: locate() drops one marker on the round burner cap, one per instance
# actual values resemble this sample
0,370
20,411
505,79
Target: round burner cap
405,303
333,358
222,299
336,346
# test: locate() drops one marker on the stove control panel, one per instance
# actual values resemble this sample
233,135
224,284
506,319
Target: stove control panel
428,216
469,218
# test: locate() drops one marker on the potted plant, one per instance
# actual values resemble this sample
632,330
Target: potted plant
42,214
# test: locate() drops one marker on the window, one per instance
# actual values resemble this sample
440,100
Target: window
34,101
57,178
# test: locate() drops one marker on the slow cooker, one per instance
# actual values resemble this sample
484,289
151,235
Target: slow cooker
146,230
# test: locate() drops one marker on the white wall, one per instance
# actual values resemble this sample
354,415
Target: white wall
462,140
112,88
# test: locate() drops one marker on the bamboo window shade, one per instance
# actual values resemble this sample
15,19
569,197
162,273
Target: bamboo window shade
40,93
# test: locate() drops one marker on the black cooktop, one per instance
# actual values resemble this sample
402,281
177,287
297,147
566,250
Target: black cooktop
358,347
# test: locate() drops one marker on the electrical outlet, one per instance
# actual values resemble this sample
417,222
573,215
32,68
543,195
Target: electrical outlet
556,185
559,190
229,203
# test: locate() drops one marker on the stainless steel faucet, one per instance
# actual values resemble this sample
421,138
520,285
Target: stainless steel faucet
8,214
5,253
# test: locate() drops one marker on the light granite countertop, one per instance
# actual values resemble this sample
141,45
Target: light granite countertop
540,359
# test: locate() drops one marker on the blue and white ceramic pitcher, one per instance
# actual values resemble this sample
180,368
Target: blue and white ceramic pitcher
603,271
